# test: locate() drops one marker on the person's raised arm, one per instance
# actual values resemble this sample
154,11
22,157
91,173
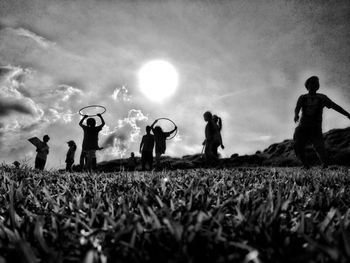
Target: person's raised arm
102,120
82,120
297,110
339,109
154,123
170,132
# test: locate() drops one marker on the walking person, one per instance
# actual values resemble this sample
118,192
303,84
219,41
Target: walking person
310,125
160,140
90,141
42,152
70,155
146,149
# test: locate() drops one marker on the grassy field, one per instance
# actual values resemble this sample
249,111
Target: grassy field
204,215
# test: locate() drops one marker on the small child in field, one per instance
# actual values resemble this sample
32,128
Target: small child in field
90,141
310,125
132,162
70,155
42,153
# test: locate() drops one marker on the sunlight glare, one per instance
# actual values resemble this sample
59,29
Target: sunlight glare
158,79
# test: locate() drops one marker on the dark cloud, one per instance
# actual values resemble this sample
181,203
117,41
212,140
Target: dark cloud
8,107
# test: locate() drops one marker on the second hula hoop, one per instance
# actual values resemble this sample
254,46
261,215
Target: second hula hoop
92,106
175,133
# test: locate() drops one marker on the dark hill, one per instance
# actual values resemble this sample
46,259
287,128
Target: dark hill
337,142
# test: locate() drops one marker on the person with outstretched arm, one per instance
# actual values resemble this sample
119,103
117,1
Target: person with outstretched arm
310,123
160,139
90,141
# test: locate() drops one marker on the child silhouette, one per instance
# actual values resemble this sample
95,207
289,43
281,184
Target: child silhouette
70,155
310,125
90,141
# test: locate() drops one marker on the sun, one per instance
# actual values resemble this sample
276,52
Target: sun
158,80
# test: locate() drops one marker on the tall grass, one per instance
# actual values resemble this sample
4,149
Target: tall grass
203,215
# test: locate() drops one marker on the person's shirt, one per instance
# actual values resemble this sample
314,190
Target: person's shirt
160,138
71,152
217,133
148,143
312,108
43,151
90,141
210,131
132,161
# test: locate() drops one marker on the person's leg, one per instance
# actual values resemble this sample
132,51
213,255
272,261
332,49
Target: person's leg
208,152
94,162
300,139
89,161
318,144
143,161
37,163
42,164
82,159
150,160
158,154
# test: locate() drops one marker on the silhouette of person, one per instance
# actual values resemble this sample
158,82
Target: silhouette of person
132,162
160,140
209,142
42,152
217,137
310,125
146,149
70,155
90,141
16,164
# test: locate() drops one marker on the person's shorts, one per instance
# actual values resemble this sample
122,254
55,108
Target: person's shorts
91,154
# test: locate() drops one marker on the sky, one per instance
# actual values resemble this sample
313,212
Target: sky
245,61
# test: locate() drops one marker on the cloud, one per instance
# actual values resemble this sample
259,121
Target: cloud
121,94
41,41
7,107
66,92
124,134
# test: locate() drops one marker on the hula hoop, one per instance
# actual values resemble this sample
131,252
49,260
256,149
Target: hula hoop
175,133
92,106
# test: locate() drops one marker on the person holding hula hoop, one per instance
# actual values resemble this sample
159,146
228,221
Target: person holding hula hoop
160,137
90,141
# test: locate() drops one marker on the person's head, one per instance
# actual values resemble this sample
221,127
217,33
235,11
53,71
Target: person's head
91,122
312,84
207,116
132,154
16,164
148,129
215,118
71,143
46,138
158,129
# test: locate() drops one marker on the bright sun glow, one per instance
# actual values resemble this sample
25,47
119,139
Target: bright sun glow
158,80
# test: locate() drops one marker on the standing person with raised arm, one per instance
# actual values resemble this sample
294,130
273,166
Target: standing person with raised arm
310,125
146,149
90,141
160,139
